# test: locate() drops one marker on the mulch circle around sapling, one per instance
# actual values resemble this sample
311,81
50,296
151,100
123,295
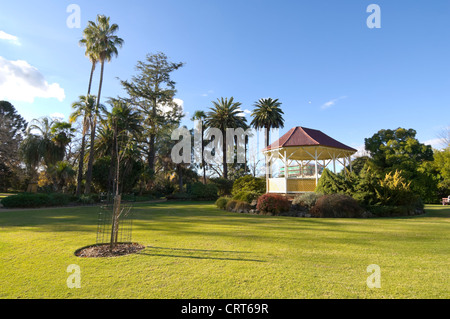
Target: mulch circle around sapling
103,250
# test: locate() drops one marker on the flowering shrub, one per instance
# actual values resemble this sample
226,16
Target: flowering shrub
273,203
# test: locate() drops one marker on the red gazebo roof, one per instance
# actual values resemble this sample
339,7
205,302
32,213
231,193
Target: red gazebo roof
302,136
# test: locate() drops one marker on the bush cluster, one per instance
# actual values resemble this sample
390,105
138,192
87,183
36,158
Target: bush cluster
246,196
237,206
336,206
273,204
28,200
200,191
224,186
248,188
306,201
222,202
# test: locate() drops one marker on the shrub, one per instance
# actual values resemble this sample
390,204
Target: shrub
27,200
59,199
87,199
242,207
306,201
330,183
336,206
246,196
273,203
393,190
249,183
179,196
231,205
208,192
237,206
222,202
224,186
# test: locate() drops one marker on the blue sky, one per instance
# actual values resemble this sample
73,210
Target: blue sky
319,58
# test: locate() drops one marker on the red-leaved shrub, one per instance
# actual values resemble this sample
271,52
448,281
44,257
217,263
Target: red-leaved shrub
273,203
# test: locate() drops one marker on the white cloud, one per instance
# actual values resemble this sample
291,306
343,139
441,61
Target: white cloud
166,108
244,113
8,37
19,81
207,93
437,143
58,116
332,102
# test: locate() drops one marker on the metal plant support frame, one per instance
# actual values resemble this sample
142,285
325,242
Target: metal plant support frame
115,222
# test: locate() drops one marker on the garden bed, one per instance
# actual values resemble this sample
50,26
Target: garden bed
103,250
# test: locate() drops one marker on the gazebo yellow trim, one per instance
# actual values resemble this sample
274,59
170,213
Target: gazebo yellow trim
303,146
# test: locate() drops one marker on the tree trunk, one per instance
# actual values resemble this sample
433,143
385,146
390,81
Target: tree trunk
115,222
83,139
267,142
203,158
224,155
93,128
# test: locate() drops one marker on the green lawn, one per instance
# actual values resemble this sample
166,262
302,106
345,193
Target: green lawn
197,251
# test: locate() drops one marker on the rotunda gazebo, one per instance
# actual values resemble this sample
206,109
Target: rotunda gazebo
304,147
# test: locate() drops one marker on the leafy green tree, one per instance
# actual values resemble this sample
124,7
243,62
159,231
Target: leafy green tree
103,44
399,150
442,167
225,113
152,91
12,130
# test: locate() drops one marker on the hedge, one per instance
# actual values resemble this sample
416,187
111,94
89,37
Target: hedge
28,200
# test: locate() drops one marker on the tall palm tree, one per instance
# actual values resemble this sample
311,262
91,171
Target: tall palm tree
102,40
88,41
267,115
82,108
201,116
224,114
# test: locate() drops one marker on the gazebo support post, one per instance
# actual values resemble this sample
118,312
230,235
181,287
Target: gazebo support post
317,171
286,173
267,173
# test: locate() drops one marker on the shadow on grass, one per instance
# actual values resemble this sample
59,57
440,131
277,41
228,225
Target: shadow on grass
196,254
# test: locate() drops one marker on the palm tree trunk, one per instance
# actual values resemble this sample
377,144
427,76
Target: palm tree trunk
203,159
81,159
93,128
83,139
267,142
224,155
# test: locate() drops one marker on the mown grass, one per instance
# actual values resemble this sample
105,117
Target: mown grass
194,250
